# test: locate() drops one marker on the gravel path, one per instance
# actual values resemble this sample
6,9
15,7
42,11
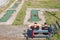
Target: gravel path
14,33
11,30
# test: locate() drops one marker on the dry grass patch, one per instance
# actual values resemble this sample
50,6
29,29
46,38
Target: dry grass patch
5,7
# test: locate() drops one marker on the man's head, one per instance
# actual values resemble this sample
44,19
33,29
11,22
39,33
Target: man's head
45,25
35,23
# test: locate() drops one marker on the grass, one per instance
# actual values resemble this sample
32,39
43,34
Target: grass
43,4
34,4
56,37
5,7
20,17
51,17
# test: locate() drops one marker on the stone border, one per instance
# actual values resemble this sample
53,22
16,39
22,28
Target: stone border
13,16
28,15
3,13
40,13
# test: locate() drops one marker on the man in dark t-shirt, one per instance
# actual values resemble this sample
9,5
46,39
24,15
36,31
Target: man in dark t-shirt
34,27
45,28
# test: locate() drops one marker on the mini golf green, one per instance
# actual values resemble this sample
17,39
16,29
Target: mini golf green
6,16
15,5
34,15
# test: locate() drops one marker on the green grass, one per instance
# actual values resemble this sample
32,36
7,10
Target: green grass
34,4
56,37
20,17
51,17
43,4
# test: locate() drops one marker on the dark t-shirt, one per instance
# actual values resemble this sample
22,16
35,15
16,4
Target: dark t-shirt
45,28
33,28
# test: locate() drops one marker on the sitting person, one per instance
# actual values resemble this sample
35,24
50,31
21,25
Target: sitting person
51,29
45,28
34,26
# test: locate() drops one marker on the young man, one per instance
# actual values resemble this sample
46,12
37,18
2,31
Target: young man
33,27
45,28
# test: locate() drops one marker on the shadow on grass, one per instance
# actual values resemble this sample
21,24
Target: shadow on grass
53,14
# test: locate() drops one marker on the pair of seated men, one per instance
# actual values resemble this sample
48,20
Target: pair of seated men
36,27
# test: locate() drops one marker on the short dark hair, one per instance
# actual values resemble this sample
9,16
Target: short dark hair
35,23
45,23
